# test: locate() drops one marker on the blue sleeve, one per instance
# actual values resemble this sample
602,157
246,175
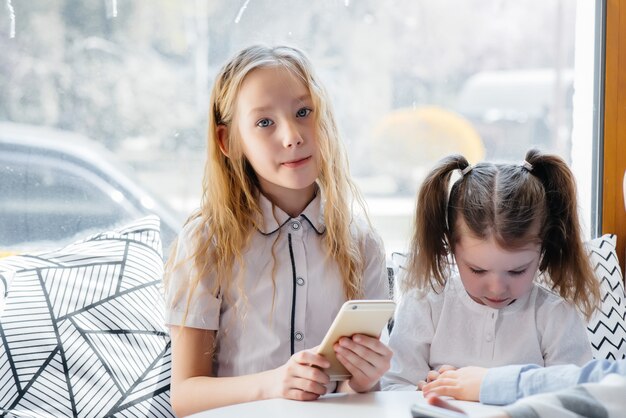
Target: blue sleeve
504,385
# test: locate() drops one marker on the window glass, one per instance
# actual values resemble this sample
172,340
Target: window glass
411,81
46,199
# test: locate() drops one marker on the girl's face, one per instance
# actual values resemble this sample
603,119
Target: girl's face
276,124
492,275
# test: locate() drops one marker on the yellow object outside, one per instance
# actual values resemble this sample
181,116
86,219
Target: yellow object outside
408,142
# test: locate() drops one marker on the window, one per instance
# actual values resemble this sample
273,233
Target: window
37,192
55,187
411,81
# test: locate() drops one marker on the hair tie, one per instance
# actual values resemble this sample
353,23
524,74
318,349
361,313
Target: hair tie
466,170
528,166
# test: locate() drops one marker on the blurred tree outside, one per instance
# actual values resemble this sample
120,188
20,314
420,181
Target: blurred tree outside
409,141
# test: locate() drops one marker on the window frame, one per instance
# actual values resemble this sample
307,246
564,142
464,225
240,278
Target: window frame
613,151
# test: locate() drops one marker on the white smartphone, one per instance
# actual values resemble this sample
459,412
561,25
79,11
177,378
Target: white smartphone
367,317
425,410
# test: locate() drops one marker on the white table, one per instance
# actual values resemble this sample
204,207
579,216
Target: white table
392,404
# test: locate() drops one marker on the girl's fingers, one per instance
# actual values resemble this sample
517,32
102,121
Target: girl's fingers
304,371
347,344
442,391
446,368
366,348
363,376
444,371
358,368
307,385
356,354
366,358
300,395
303,377
354,369
432,376
310,358
362,367
442,381
370,343
442,387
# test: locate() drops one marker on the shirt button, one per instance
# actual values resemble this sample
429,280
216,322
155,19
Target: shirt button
295,225
300,281
299,336
489,338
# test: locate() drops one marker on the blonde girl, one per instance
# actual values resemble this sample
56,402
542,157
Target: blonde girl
470,292
261,269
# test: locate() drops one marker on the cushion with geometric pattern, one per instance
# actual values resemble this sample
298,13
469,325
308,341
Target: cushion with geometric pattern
607,328
82,331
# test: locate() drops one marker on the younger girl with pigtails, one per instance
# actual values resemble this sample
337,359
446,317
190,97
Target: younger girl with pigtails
259,272
470,294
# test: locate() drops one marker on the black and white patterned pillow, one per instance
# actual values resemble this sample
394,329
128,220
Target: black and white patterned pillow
82,332
607,328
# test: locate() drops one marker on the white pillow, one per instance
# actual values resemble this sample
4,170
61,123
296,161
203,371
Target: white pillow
606,329
82,331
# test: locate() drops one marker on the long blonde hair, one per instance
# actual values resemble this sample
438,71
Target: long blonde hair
505,201
230,211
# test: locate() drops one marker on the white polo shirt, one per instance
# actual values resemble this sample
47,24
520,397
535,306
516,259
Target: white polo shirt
451,328
263,329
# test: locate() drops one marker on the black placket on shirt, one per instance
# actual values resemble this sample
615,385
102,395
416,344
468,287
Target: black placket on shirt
293,297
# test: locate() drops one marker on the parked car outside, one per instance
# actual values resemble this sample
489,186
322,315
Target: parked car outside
515,110
58,186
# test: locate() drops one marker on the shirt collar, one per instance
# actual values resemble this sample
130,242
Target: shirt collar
274,217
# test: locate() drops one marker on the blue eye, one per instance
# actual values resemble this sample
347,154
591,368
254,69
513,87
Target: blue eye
264,123
304,112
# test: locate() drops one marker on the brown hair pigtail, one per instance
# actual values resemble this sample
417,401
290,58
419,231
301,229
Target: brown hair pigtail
564,256
428,261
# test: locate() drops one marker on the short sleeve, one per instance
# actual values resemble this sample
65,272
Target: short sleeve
375,277
202,309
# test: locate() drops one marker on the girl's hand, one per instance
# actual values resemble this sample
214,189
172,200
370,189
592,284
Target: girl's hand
366,358
434,375
463,384
302,378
